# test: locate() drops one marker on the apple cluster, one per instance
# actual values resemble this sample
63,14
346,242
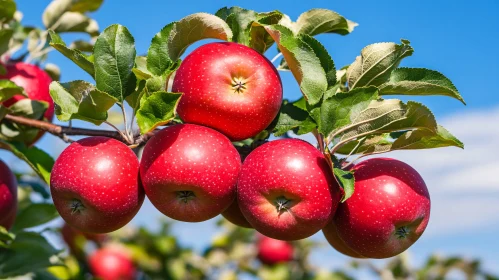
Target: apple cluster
285,188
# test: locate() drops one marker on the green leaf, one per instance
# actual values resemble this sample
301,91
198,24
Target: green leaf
145,88
84,62
302,61
387,116
376,63
37,159
53,71
3,112
406,140
337,111
171,42
424,139
346,179
82,45
7,10
157,109
317,21
327,62
65,12
54,11
134,99
275,272
419,81
260,39
193,28
291,117
239,20
34,185
33,109
245,32
5,36
9,89
29,252
5,235
158,57
34,215
114,55
80,100
140,70
83,6
76,22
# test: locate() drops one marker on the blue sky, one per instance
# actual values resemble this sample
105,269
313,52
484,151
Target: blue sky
457,38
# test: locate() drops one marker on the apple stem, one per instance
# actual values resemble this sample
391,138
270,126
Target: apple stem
402,232
281,204
76,206
186,196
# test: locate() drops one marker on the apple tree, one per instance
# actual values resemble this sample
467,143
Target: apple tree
207,134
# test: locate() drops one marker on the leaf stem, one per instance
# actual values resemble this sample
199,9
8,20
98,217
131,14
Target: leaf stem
128,135
320,140
323,148
354,150
117,129
276,57
345,128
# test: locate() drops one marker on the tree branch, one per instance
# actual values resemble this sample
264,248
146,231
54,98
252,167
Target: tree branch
63,131
138,139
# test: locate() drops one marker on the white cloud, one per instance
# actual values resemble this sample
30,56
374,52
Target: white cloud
462,214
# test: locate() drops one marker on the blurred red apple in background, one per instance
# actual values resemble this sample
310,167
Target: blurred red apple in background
272,251
36,84
8,196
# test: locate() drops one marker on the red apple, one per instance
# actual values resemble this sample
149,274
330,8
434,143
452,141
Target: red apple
272,251
8,196
36,84
234,215
189,172
387,213
331,234
229,87
95,185
112,264
286,190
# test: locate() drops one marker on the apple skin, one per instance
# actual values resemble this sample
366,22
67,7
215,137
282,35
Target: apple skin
112,264
331,234
387,213
189,172
272,251
95,185
292,173
8,196
209,79
234,215
36,84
